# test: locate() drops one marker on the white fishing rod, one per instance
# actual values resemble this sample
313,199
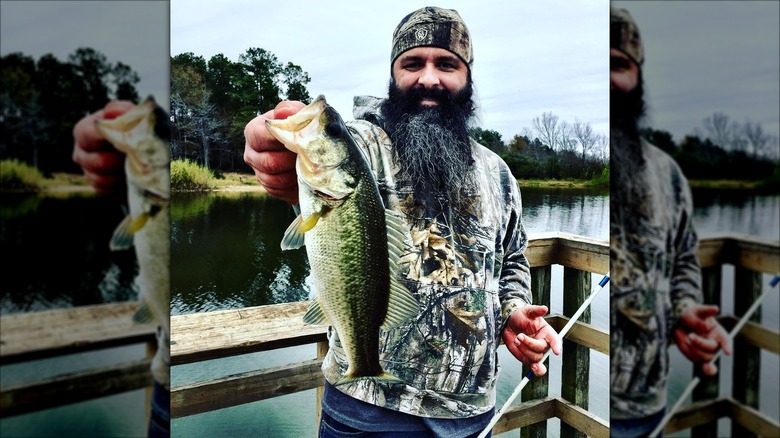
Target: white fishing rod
530,374
697,379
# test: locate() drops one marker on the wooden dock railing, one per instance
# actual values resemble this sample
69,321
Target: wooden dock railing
197,337
751,258
26,337
226,333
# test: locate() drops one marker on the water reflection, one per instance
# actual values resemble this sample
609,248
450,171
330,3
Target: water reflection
225,253
56,253
584,212
718,211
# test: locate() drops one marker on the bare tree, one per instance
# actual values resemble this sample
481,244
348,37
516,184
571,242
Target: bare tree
567,138
584,134
601,148
725,133
548,129
718,128
757,138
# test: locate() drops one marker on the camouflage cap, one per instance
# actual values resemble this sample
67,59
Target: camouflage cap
624,35
435,27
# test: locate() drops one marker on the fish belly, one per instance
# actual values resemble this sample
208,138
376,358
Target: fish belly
350,273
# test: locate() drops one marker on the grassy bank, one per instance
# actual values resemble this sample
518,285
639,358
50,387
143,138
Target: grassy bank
190,176
554,183
724,184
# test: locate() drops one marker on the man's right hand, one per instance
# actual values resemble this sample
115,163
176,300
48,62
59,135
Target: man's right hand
103,165
274,165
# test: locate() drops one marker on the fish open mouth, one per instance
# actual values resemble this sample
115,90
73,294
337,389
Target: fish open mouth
127,131
289,131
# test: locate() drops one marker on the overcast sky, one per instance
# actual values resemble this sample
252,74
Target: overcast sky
708,56
529,56
132,32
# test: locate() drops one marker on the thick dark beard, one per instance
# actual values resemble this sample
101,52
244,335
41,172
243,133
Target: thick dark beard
626,160
432,145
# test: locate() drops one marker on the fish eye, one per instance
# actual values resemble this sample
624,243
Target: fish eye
333,129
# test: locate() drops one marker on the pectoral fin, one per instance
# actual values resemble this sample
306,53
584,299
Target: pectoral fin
293,237
123,235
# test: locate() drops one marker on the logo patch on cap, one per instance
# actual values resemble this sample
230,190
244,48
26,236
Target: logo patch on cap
421,33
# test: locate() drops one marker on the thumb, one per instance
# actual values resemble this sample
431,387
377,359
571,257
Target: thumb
533,311
706,311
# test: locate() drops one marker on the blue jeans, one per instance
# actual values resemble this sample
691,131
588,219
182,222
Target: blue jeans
160,418
331,428
636,428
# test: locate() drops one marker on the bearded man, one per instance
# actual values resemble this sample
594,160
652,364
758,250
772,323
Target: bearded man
655,291
466,267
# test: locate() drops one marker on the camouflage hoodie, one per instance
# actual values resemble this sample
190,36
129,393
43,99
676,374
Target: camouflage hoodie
469,272
655,277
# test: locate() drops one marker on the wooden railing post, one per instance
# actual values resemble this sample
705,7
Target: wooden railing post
747,358
575,366
322,350
537,388
708,388
151,350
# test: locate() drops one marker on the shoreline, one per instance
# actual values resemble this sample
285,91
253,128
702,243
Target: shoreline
553,184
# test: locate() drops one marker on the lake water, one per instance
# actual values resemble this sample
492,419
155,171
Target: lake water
56,255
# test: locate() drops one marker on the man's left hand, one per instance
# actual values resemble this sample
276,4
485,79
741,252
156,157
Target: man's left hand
699,336
527,335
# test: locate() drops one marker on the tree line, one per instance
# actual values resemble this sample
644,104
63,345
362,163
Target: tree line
724,149
553,149
212,101
41,101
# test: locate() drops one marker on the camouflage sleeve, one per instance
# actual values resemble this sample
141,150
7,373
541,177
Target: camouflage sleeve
685,278
515,281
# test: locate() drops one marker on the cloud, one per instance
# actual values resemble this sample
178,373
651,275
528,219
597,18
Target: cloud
530,57
134,33
708,56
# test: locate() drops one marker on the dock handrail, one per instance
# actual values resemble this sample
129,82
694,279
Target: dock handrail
25,337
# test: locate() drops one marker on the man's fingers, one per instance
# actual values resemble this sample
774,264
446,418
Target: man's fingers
116,108
554,340
100,162
534,348
532,360
539,369
709,369
723,340
258,138
287,108
272,162
703,344
683,342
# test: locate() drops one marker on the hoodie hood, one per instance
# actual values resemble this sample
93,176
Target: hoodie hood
369,108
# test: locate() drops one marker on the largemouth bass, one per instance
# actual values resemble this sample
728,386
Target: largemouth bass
143,135
352,243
